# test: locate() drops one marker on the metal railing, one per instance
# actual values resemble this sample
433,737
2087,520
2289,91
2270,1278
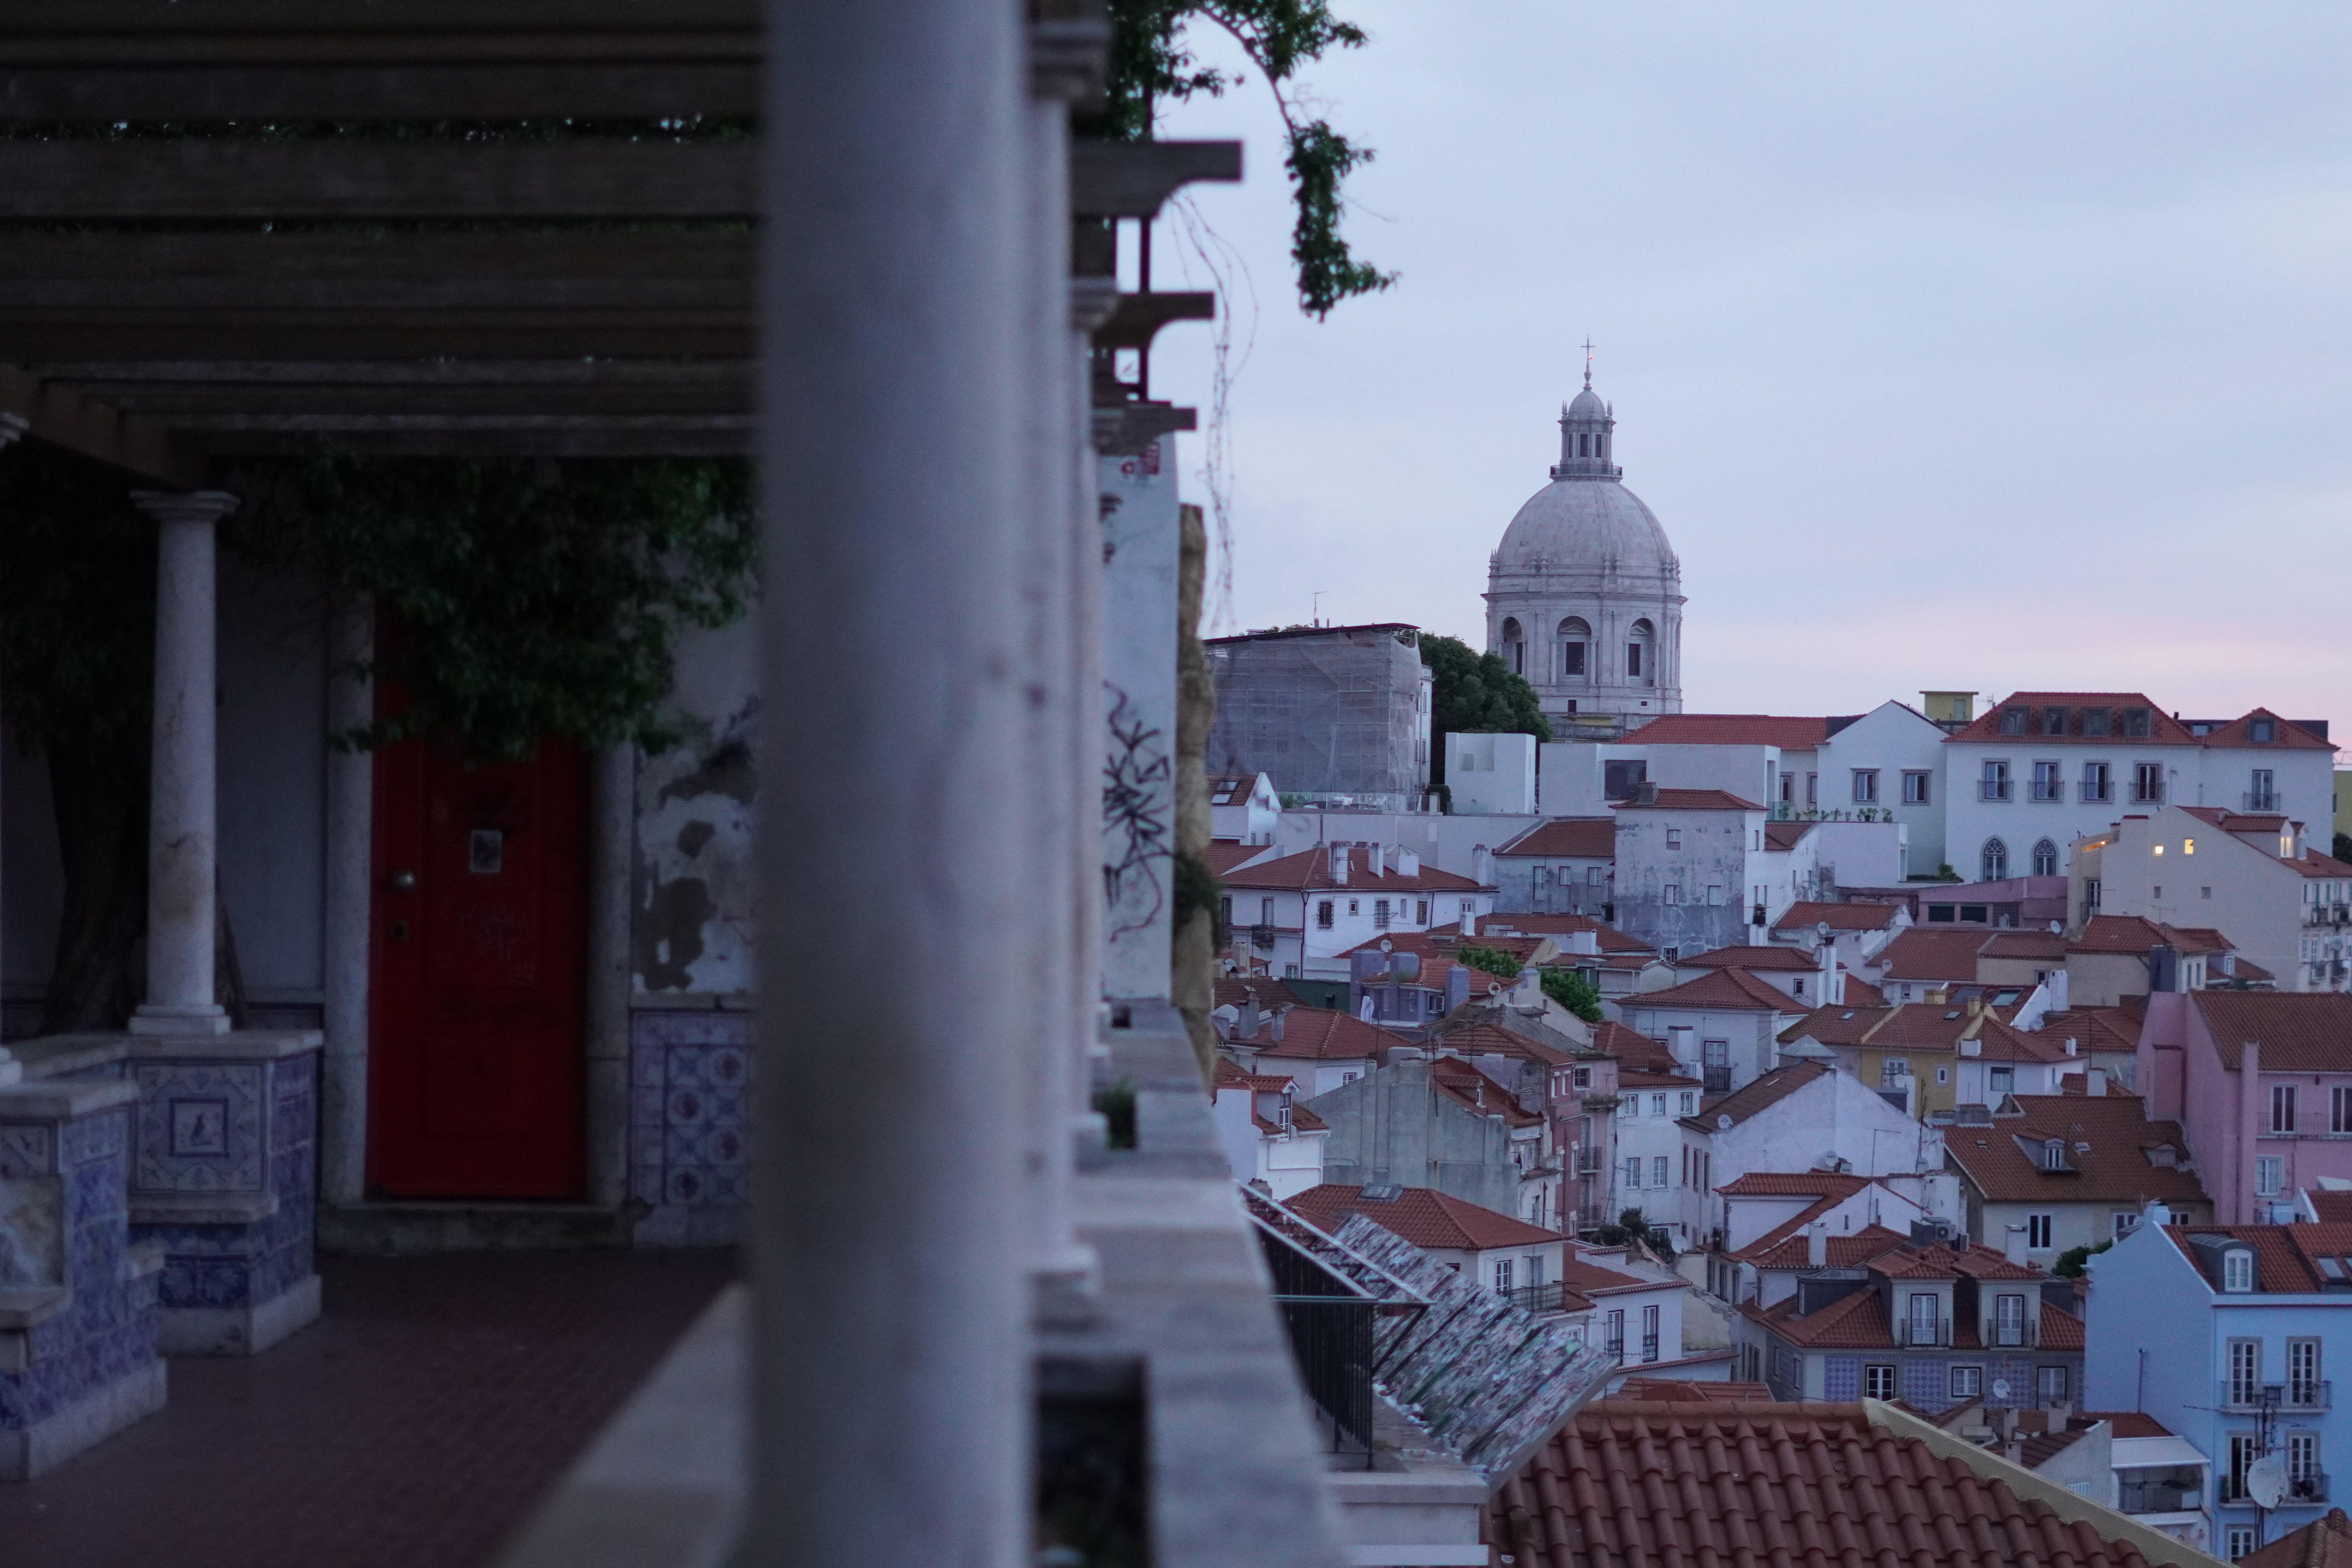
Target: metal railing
2240,1394
1588,1162
2263,800
1545,1298
2307,1394
2158,1497
2143,794
1649,1348
1996,789
2311,1488
1907,1332
2050,789
2100,792
1717,1080
1262,938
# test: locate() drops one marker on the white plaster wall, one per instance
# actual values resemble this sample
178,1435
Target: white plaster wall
695,911
1863,854
1835,1115
1895,739
1448,843
273,777
1138,577
1491,774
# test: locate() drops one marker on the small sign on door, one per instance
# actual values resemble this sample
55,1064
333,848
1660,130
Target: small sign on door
486,852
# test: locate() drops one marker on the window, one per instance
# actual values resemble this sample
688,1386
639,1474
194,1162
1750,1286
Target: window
1657,1105
1592,876
1353,907
2246,1448
1649,1333
2245,1364
1573,635
2263,793
1690,1103
1893,1070
2238,1272
2009,1319
1915,788
1632,1171
1582,1077
1420,912
2147,783
2302,1373
2270,1174
1634,661
2049,781
2000,1080
2053,1153
2135,723
1323,914
2263,731
1925,1309
2303,1461
2241,1541
2050,1382
1503,1274
1797,990
1812,789
2038,1228
2096,720
2054,720
2013,721
1613,1338
1715,1065
2098,787
2281,1107
2045,859
1671,893
1865,787
1638,663
1995,783
1379,914
2126,1222
2339,1109
1996,860
1788,789
1943,1074
1514,646
1966,1383
1674,838
1878,1380
1658,1176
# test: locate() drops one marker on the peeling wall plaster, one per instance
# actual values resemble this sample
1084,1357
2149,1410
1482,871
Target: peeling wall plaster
695,917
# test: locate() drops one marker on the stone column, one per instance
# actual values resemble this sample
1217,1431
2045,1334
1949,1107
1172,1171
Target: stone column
182,839
891,1384
351,887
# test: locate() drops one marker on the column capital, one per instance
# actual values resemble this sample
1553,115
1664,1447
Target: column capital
11,426
206,507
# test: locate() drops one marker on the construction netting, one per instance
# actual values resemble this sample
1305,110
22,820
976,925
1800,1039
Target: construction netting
1336,715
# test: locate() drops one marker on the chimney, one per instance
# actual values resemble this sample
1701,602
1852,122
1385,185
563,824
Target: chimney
1457,987
1469,921
2095,1081
1245,1026
1339,864
2012,1245
1274,1030
1817,1243
1482,865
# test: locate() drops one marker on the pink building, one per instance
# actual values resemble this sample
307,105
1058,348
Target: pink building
2262,1083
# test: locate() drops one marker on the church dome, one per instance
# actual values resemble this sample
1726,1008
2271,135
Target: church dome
1587,523
1588,405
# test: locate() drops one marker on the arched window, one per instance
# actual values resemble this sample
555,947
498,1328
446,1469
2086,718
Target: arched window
1514,646
2045,859
1641,660
1574,637
1996,860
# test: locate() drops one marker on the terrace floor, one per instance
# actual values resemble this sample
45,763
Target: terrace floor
416,1423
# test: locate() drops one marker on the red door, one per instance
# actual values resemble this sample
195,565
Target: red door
478,1046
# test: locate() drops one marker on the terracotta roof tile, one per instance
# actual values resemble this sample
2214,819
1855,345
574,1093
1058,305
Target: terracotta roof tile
1690,800
2137,933
2289,736
1318,1034
1631,1050
2128,1423
2298,1031
1932,956
2115,1168
1804,917
1475,1091
1794,1251
1733,990
1732,729
2164,730
2332,1207
1941,1261
1676,1390
1765,1092
1583,838
2315,864
1759,960
1861,993
1225,854
1783,836
1793,1184
2026,944
1422,1215
2285,1256
2099,1029
1309,870
1484,1039
1859,1322
1745,1484
1608,938
2324,1542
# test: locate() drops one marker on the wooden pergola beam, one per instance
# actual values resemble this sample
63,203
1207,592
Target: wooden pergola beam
39,335
66,418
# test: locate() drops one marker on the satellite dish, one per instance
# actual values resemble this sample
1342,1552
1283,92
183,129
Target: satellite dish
2266,1481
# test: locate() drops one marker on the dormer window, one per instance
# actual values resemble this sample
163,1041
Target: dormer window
2237,1270
2094,721
2053,1153
2012,720
2136,723
2054,720
2263,731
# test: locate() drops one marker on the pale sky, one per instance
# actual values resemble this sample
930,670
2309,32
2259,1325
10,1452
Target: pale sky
1992,346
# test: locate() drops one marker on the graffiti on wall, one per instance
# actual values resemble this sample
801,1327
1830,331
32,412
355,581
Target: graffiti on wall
1137,810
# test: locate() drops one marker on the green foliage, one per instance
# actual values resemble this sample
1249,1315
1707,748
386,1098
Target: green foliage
1493,960
2069,1264
1633,1227
1197,888
77,604
1151,60
1944,873
1572,991
1475,693
1117,1103
526,598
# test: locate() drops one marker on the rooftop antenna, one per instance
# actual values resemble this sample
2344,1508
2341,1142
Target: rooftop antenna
1588,363
1317,617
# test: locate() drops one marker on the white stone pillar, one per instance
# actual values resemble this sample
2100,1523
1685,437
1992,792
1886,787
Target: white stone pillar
182,838
891,1383
350,908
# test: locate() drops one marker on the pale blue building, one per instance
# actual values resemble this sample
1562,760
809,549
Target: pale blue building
2224,1334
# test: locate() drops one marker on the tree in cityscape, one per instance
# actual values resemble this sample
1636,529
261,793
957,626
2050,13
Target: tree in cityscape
1493,960
1475,693
1152,61
1572,991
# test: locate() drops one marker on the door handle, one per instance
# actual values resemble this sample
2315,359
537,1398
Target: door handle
404,882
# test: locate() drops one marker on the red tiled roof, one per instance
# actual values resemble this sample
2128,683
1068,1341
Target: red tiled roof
1783,836
1941,1261
1309,870
1631,1049
1847,1023
1676,1390
1744,1484
1731,990
1479,1038
2315,864
2284,1254
2128,1423
1731,730
1635,1077
2027,944
1793,1184
1690,800
1592,1279
1766,1091
1422,1215
1322,1033
2332,1207
2113,1029
2164,730
1585,837
2324,1542
2289,735
1996,1042
1475,1091
2115,1169
1794,1249
1932,956
1225,854
1609,939
2298,1031
1804,917
1861,993
1759,960
2137,933
1859,1322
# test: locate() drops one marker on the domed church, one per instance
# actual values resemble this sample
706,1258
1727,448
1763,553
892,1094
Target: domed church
1584,594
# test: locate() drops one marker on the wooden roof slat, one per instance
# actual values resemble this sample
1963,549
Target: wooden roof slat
254,181
1134,179
65,418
